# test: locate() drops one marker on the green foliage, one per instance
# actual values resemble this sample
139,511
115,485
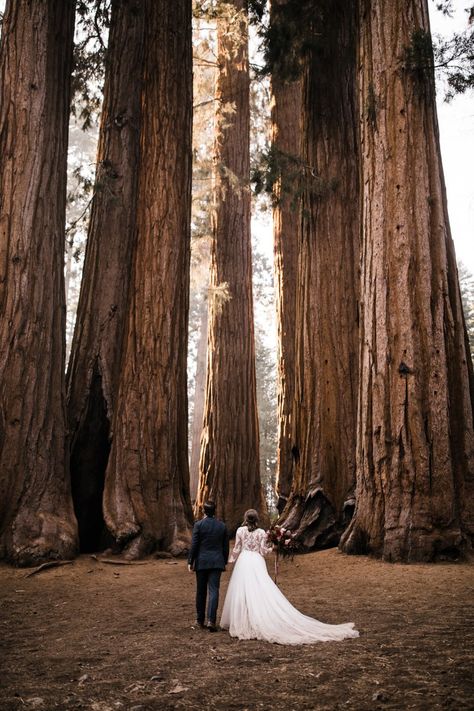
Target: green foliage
451,60
295,29
454,62
285,177
92,23
418,61
277,174
445,7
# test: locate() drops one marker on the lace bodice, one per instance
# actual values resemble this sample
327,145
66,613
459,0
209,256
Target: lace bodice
246,540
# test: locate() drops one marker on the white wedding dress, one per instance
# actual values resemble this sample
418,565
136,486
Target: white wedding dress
255,608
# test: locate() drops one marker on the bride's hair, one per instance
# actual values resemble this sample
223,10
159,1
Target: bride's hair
251,519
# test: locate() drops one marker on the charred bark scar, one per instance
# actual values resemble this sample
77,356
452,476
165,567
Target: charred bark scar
404,369
120,120
295,453
108,168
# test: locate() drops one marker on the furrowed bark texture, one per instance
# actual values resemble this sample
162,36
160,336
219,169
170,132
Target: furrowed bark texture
36,515
415,454
146,495
229,465
325,405
286,142
94,365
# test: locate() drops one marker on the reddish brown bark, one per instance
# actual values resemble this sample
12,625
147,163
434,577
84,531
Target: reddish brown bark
229,465
325,404
286,143
94,365
146,495
415,453
36,515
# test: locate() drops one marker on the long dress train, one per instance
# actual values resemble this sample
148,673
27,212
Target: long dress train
255,608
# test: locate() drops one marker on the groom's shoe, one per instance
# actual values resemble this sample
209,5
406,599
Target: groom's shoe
212,627
200,625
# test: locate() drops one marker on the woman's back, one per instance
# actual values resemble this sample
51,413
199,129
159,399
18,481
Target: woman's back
250,540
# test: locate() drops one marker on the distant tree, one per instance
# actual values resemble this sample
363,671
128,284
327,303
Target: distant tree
36,515
205,71
229,465
199,396
267,415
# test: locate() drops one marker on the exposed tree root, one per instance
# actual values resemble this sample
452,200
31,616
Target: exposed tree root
46,566
120,561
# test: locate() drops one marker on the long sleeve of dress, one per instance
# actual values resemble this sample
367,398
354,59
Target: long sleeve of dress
237,546
265,547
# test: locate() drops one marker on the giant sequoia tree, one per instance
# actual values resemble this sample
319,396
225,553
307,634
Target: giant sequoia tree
94,364
229,466
286,144
326,367
415,441
146,494
97,345
36,515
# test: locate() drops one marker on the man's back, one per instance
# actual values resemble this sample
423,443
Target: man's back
210,544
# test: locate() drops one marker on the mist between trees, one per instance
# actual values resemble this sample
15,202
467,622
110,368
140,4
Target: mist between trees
333,386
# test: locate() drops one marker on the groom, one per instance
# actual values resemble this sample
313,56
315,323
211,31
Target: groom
208,558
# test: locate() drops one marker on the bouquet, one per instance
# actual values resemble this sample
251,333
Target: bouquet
284,544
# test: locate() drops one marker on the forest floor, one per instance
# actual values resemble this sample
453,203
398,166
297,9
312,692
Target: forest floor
119,637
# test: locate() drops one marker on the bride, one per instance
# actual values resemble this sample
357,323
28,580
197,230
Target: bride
254,606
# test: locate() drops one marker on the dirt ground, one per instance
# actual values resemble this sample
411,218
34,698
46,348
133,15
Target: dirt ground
104,637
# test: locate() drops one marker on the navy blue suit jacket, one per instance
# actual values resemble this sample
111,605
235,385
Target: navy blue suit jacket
210,544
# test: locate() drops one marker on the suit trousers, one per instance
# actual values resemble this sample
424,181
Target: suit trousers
207,580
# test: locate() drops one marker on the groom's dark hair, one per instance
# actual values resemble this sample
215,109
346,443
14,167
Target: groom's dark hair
209,508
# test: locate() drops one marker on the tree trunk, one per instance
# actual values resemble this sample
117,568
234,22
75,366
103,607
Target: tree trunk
94,365
146,495
229,465
36,515
325,406
199,399
286,143
415,453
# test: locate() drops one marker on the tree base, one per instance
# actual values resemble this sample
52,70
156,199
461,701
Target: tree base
144,545
400,546
313,520
39,538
